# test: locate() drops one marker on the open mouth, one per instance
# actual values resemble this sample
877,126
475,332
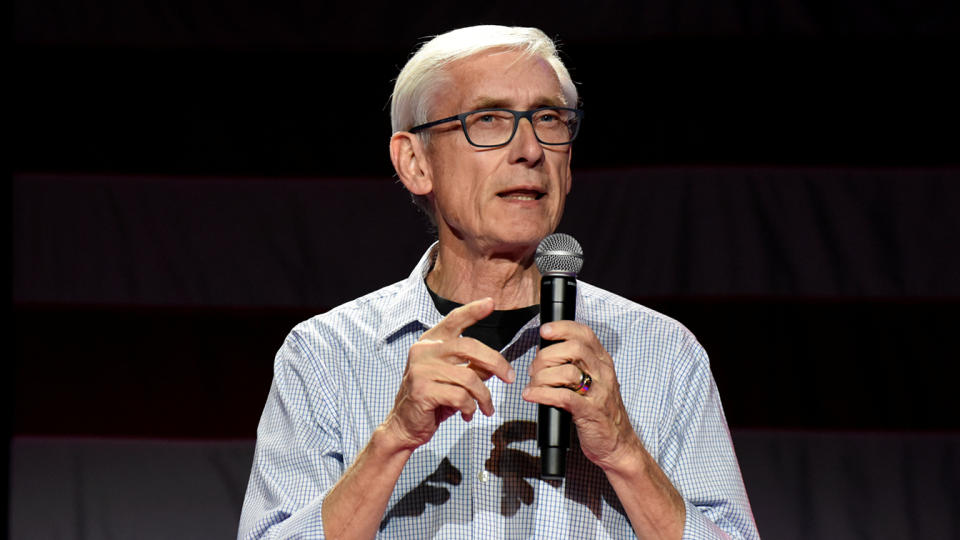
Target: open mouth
522,195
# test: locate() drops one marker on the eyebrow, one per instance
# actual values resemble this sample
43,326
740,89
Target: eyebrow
484,102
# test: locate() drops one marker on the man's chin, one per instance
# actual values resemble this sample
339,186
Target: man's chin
518,245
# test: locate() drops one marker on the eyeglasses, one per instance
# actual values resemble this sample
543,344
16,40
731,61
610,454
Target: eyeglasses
487,128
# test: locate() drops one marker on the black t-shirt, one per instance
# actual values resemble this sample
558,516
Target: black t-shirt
497,329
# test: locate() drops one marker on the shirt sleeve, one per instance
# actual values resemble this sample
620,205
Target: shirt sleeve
698,454
298,457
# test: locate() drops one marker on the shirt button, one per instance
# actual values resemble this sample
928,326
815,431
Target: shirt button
483,476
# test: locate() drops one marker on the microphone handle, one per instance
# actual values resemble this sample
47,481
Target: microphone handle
558,302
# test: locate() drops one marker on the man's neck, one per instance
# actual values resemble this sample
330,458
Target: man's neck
461,276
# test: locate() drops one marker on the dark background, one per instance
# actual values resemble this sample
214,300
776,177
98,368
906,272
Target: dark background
189,182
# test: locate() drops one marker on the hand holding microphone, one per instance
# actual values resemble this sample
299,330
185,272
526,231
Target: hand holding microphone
573,376
559,258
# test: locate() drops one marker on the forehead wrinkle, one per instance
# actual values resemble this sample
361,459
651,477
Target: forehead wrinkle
487,102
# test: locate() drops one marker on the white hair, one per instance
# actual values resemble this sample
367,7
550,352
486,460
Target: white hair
424,74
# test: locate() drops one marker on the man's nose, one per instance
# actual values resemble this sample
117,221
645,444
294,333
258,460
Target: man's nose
525,148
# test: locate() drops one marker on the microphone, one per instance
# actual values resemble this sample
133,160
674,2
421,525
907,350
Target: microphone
559,258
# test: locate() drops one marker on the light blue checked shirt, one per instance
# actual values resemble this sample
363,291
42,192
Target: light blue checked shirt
335,379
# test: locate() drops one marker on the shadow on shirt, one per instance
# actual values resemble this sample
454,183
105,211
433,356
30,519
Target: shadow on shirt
415,502
586,484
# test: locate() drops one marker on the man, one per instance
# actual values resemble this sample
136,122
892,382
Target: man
371,424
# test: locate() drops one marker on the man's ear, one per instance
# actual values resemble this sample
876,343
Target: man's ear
409,158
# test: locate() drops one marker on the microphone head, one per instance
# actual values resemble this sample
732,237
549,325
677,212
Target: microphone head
559,253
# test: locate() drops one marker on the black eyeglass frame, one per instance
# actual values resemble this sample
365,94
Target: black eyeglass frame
517,115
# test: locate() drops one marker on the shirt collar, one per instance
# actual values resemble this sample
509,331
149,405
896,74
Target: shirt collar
412,304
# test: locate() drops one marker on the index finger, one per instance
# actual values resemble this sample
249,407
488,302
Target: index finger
460,319
564,330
